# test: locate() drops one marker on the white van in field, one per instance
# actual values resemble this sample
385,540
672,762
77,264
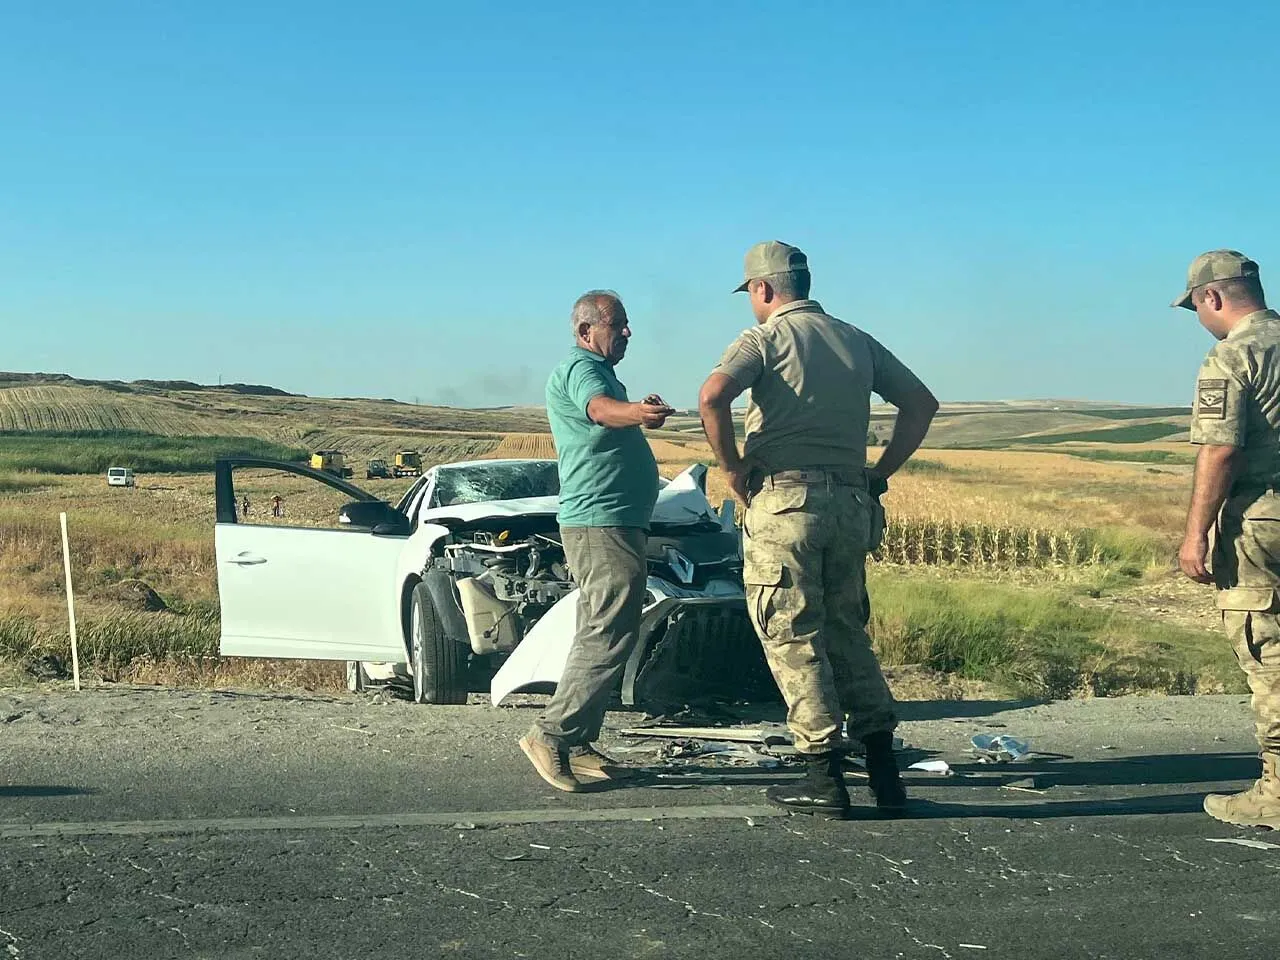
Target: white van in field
119,477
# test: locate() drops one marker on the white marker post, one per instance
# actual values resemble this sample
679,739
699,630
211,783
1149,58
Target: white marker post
71,602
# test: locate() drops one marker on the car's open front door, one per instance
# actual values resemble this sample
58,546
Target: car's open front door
306,565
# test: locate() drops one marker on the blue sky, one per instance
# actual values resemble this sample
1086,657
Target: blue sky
404,199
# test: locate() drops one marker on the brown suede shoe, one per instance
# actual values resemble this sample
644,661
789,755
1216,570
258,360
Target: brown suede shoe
552,765
588,763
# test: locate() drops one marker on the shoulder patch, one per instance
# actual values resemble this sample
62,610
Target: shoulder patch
1211,399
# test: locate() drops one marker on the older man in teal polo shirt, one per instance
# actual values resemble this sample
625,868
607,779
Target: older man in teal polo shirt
608,486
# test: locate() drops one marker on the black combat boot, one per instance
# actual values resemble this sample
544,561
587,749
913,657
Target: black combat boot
820,791
882,773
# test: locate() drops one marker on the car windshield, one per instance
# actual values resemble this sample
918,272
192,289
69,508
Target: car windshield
495,481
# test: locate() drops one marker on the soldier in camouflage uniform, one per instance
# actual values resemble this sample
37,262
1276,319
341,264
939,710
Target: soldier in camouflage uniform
1236,423
813,514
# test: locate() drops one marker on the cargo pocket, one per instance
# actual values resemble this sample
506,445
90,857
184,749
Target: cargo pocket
782,498
1251,599
762,579
1239,606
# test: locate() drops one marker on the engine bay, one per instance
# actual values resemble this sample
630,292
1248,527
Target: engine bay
509,571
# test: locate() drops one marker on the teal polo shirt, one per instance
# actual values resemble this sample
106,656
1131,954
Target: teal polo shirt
608,477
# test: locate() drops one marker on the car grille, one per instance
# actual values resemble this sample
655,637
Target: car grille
702,654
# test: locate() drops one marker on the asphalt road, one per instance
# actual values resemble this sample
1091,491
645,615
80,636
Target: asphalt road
195,824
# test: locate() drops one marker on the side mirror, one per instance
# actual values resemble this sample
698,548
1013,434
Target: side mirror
377,516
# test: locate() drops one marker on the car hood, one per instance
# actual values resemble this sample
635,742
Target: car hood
681,501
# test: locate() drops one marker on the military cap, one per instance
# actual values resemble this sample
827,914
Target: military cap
1212,266
769,258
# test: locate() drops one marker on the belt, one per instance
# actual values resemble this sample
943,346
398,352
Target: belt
816,475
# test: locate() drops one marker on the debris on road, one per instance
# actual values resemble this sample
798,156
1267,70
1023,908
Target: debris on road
1000,748
1240,842
1025,785
932,766
768,734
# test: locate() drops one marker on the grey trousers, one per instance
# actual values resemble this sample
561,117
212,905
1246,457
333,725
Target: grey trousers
609,566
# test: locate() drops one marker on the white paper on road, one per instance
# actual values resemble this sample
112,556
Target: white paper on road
1239,842
931,766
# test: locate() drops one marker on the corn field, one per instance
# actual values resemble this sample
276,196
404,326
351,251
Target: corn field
977,544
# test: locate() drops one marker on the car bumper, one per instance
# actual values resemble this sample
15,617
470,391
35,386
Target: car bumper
695,644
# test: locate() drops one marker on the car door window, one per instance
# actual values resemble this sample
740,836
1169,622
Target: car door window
266,497
413,502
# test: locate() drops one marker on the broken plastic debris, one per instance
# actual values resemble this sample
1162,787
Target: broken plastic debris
1025,785
1000,748
767,733
931,766
1239,842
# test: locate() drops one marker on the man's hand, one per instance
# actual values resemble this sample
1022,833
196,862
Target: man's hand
1192,558
1216,468
617,414
738,484
654,415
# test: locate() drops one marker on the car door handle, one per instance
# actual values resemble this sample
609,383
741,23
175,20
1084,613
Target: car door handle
246,560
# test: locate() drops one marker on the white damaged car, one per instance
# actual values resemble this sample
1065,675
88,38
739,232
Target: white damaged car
464,584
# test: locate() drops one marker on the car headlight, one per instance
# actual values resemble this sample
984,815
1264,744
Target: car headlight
680,565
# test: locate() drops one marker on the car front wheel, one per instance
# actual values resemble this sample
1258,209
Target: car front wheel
439,661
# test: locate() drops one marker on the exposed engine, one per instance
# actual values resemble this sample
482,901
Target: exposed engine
505,583
509,572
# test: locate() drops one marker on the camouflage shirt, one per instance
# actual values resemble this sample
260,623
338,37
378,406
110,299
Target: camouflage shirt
811,377
1238,397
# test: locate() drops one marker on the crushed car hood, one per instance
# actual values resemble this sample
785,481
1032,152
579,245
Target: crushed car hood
680,501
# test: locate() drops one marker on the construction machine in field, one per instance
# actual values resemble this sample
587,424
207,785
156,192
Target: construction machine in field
330,461
408,463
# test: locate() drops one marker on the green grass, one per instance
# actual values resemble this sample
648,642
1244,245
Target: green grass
918,465
1137,413
1037,642
110,643
1134,433
94,451
10,483
1169,457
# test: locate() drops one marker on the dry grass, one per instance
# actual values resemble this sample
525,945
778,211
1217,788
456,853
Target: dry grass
524,446
976,514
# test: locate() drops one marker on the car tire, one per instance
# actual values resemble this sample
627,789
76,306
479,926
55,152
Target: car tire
439,661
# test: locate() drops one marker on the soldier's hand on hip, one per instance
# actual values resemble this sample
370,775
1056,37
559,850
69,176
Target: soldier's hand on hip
1192,558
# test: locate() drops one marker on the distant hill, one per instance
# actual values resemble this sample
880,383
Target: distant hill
58,403
42,402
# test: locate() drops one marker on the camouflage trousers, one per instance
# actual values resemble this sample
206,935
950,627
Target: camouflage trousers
805,548
1246,569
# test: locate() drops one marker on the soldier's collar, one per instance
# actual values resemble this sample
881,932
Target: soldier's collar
793,306
1248,320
